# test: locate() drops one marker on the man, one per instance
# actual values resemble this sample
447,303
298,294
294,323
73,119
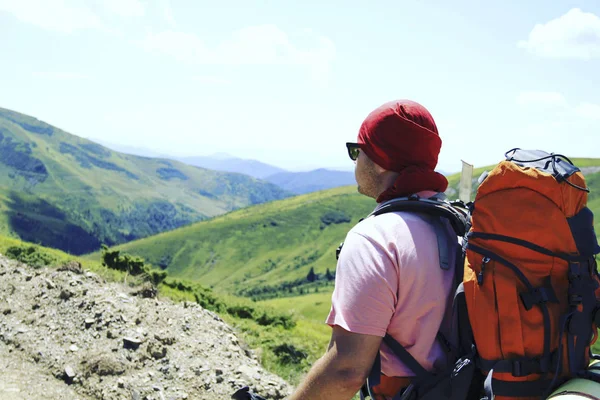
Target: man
388,277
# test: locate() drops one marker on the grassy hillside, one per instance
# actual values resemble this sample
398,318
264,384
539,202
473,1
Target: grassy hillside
269,250
260,250
67,192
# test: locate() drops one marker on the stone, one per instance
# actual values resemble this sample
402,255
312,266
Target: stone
71,266
157,350
164,339
131,342
69,373
66,294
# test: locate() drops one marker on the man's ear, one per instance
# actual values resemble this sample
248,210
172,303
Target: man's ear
380,170
392,175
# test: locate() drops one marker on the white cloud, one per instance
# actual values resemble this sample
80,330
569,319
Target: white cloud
541,98
124,8
68,16
57,15
180,45
575,35
167,11
588,110
585,110
60,75
256,45
556,126
211,80
534,99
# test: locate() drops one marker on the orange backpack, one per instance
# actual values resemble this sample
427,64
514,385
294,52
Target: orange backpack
524,315
530,278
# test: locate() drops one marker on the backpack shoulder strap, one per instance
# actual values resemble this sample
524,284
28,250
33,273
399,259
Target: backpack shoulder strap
455,212
431,210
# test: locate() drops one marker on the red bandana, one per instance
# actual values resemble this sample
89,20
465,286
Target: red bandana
401,136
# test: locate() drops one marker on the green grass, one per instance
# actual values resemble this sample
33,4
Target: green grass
313,307
306,337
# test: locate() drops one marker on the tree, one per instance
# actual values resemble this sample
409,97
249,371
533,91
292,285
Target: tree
328,275
311,277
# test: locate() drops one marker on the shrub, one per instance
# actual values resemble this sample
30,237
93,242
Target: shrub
126,263
179,285
208,300
270,318
335,217
156,277
241,311
289,354
30,255
132,265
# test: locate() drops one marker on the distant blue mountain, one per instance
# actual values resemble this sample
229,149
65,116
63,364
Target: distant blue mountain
218,161
312,181
292,181
224,162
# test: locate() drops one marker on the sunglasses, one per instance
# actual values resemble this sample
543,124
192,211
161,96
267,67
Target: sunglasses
353,150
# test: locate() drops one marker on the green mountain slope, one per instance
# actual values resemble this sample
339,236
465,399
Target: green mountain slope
267,245
67,192
268,250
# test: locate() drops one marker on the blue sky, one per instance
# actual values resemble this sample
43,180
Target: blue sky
288,82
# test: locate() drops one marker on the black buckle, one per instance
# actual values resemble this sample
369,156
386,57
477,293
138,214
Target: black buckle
526,367
575,300
517,369
574,270
539,295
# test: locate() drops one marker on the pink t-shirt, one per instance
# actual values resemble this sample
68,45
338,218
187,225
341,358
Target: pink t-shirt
389,279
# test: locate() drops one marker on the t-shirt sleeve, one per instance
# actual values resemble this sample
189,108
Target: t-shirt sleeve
366,285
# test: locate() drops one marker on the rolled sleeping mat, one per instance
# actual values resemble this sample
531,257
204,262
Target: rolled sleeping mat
579,388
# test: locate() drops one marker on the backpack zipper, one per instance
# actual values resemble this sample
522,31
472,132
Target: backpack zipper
484,262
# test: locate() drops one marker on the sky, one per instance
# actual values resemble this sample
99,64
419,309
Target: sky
289,82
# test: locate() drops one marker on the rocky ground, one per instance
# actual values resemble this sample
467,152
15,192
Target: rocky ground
67,334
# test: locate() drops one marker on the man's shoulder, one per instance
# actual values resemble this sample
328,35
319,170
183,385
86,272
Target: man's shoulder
392,222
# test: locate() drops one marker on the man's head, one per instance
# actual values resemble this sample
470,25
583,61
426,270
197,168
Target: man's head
371,178
394,136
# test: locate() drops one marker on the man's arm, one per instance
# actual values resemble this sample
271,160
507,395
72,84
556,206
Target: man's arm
342,370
